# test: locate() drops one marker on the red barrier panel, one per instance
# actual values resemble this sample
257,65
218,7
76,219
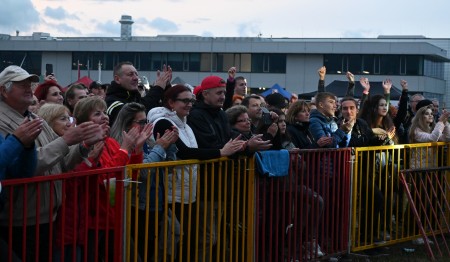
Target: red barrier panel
304,215
78,216
426,190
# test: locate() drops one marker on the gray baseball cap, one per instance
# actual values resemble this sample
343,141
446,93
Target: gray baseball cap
15,74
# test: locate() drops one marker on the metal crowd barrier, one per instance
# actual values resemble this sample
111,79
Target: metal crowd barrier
331,198
427,191
216,224
380,210
73,211
306,209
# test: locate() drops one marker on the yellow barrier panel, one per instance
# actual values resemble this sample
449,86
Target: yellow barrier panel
190,210
380,211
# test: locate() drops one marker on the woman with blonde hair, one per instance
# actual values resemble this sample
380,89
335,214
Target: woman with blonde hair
425,129
57,117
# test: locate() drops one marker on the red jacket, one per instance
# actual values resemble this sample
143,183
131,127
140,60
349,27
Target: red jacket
111,156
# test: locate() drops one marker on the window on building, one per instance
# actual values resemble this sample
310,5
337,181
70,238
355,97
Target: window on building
414,65
333,63
268,63
208,62
354,64
368,64
145,61
390,65
194,62
245,63
433,68
175,60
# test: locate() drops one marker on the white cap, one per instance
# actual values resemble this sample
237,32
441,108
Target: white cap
15,74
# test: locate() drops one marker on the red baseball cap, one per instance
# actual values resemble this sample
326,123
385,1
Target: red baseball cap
208,83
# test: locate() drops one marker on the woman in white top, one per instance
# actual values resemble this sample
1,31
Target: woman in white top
424,129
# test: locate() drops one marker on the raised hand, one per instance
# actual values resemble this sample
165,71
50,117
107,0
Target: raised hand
387,85
273,129
145,133
404,84
232,72
164,77
232,146
129,139
98,134
347,125
88,132
364,81
444,116
391,132
96,150
29,130
350,77
322,72
169,137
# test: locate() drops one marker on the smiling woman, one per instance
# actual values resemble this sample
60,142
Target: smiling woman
107,153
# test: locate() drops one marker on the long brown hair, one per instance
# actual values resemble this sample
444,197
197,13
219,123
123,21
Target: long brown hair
419,122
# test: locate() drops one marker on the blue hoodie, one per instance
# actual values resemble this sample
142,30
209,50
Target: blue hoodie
320,126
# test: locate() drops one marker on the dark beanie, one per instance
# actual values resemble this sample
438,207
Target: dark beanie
423,103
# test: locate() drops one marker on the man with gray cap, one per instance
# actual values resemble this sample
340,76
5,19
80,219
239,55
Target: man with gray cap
55,155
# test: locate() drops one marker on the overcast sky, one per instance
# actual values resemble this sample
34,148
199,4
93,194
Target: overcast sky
229,18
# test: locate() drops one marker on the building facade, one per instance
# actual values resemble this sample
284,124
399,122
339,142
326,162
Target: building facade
292,63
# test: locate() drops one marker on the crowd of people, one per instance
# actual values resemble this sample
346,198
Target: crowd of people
50,130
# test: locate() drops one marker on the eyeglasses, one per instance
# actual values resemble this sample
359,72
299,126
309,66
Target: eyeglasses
243,120
141,122
186,100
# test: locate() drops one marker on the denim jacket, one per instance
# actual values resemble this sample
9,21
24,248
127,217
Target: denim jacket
156,154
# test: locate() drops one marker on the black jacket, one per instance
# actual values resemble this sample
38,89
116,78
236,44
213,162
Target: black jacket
117,96
301,136
362,135
210,125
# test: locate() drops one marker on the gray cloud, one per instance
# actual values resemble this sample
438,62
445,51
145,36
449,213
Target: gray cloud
18,15
109,27
59,13
160,24
248,29
66,29
163,25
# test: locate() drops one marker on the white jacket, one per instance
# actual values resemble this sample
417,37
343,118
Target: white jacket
177,181
427,158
